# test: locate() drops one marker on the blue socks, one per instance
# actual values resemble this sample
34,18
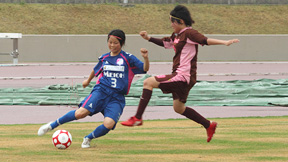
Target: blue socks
70,116
98,132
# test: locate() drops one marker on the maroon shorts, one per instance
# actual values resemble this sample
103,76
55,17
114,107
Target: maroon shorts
173,84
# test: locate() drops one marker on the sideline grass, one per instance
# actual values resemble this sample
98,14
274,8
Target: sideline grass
154,18
236,139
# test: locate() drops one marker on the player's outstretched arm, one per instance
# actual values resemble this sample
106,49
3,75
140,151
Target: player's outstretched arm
211,41
157,41
86,82
144,53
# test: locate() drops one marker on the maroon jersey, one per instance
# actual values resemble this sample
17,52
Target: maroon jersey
185,44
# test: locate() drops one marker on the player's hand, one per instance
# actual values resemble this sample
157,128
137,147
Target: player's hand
85,83
144,52
144,35
229,42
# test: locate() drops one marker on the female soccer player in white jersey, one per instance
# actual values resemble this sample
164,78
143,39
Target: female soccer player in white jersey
184,40
115,71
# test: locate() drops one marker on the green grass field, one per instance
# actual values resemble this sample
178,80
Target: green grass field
236,139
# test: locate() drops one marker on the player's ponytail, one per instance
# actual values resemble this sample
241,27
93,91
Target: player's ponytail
119,34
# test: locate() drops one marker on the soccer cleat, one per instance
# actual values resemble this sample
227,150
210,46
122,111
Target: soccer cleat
211,130
133,121
44,129
86,142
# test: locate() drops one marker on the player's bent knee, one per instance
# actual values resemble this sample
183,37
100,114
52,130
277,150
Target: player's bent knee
147,82
80,116
179,110
109,123
150,83
81,113
179,107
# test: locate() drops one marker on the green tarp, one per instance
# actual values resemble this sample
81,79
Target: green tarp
263,92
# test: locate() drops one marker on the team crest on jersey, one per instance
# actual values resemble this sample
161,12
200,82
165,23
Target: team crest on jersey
119,61
176,41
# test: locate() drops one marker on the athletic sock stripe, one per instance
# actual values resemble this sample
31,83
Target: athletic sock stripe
93,135
58,122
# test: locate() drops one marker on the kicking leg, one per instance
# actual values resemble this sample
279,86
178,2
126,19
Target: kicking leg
148,86
190,113
101,130
70,116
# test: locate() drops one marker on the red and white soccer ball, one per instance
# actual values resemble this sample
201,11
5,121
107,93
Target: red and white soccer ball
62,139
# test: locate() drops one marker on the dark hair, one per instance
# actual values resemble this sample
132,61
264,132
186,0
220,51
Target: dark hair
119,34
183,13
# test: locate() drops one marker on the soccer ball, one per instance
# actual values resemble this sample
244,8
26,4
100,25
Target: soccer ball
62,139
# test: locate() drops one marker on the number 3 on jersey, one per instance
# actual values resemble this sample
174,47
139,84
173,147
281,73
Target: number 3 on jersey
114,82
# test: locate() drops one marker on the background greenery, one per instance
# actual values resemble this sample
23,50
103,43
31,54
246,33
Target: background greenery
154,18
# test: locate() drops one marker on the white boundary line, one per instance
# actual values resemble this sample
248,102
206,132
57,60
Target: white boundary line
153,63
140,75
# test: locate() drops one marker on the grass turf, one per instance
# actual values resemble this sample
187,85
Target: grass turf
236,139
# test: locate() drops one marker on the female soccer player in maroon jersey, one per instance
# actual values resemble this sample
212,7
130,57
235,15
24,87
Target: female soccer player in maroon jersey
185,41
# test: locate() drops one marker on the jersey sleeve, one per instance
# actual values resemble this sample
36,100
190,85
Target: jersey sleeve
98,68
136,65
157,41
197,37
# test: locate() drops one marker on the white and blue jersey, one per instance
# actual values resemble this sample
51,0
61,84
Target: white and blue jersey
118,71
115,74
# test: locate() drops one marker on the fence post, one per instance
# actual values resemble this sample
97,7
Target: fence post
15,53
